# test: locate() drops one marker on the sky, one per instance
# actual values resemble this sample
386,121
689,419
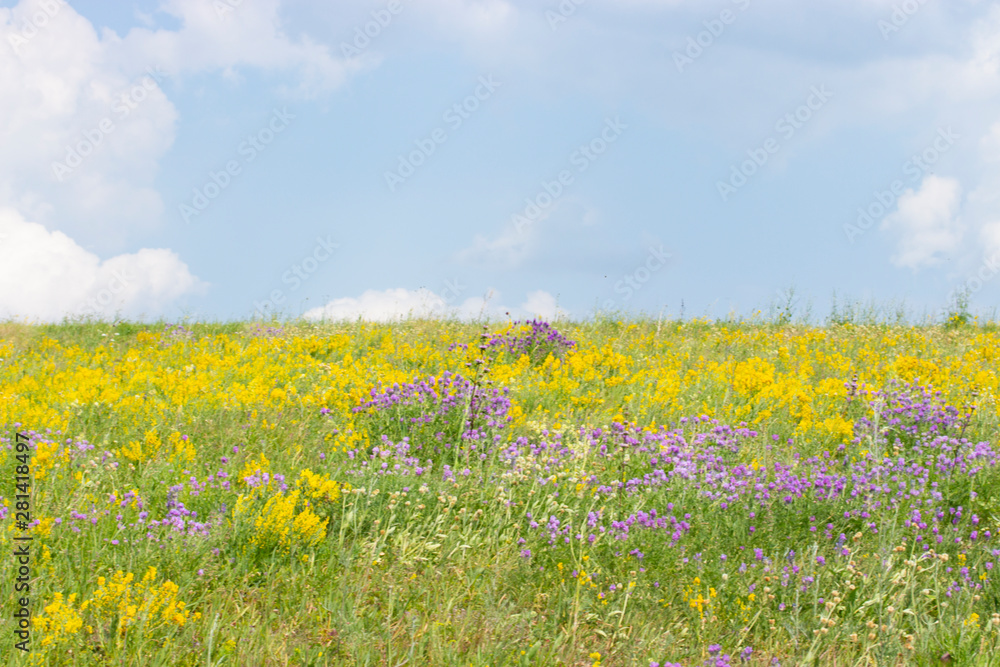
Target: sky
237,159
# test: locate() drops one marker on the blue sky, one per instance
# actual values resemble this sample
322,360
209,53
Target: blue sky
221,159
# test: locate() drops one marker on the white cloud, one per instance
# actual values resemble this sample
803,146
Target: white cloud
530,232
982,205
515,243
990,144
392,304
72,97
990,235
542,304
927,222
475,22
401,303
56,277
216,36
509,248
58,89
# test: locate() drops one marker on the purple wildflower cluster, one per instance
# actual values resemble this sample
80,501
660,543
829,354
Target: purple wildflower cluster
450,414
72,447
177,331
267,332
132,516
179,519
538,341
714,659
389,458
261,480
541,340
922,486
905,414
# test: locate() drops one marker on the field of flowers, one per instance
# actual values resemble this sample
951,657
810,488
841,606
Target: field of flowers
596,493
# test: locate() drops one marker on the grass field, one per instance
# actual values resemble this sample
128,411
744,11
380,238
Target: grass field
601,493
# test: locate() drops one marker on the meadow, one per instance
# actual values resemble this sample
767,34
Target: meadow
596,493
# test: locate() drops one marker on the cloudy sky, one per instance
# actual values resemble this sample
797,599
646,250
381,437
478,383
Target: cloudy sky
221,159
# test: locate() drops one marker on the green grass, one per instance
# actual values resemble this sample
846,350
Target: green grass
429,571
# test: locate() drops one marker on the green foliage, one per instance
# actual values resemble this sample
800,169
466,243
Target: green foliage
430,569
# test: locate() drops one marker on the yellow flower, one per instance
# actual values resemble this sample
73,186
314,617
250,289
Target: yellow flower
752,375
319,487
60,622
278,524
138,605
